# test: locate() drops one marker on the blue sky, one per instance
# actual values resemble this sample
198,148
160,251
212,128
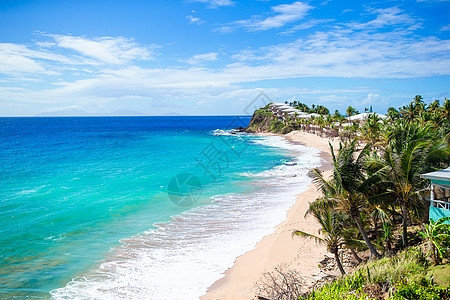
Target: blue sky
197,57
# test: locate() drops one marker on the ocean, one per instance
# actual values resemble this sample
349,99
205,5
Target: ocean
137,207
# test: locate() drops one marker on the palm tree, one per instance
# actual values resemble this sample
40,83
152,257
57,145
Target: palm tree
437,235
346,188
434,107
393,114
385,135
351,111
419,103
411,152
446,110
332,231
371,129
337,114
409,112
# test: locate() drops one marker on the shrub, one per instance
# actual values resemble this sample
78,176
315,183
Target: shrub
276,126
405,276
415,291
281,284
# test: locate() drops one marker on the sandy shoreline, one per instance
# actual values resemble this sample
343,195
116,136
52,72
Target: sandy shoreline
279,248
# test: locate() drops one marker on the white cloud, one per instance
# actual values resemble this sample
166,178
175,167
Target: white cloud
194,20
15,59
52,58
350,54
216,3
386,17
200,58
372,99
445,28
324,54
284,14
390,16
305,25
110,50
343,51
18,59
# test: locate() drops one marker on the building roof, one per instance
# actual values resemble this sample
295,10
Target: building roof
290,109
307,116
438,176
364,116
282,107
277,104
314,115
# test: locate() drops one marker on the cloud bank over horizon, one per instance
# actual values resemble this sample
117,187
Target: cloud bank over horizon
334,59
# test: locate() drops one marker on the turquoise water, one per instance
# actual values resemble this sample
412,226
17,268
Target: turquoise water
72,188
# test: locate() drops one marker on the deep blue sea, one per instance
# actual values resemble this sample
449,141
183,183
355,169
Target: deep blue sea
129,207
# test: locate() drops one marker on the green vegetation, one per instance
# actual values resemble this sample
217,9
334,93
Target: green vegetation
441,274
332,223
404,276
373,131
412,150
318,109
437,235
264,120
374,192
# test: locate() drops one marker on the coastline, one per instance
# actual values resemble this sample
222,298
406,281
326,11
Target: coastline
279,248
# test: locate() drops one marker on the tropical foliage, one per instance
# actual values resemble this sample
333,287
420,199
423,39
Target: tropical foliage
375,191
332,231
437,234
404,276
345,191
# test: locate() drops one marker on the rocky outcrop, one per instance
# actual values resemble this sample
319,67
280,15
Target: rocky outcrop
263,120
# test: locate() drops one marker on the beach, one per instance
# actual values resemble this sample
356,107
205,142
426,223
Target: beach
279,248
98,213
93,219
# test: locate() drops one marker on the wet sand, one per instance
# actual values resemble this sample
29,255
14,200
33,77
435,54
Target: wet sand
279,248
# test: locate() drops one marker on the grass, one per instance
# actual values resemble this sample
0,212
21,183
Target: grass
441,274
408,275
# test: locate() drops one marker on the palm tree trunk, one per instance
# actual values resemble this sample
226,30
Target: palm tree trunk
355,255
388,247
375,228
435,255
338,261
405,224
365,237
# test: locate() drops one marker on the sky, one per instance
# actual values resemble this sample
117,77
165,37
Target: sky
214,57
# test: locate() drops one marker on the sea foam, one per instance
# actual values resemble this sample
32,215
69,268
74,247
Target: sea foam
181,258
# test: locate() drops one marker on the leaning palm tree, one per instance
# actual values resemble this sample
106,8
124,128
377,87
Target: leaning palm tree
331,231
346,187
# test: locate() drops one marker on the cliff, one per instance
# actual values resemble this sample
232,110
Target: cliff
263,120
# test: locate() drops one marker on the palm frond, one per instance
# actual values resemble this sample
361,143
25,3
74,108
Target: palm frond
317,239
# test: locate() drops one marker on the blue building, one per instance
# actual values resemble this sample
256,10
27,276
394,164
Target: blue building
439,205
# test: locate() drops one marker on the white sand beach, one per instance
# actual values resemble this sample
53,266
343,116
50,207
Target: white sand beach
279,248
